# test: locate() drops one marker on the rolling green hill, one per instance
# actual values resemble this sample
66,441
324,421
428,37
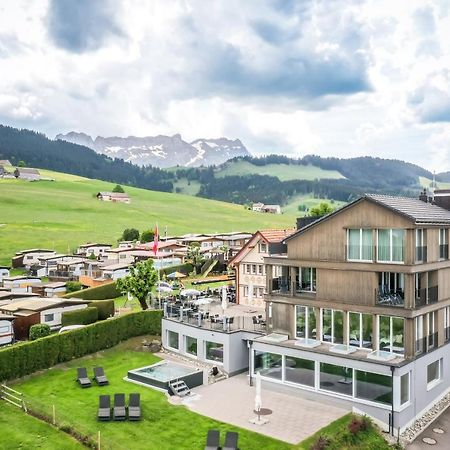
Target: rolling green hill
284,172
64,213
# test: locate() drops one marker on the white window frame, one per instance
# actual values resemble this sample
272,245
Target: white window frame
307,330
360,346
344,315
390,260
300,281
391,332
433,383
360,259
262,247
52,315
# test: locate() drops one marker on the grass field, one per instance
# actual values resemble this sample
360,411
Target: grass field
187,188
164,426
284,172
64,213
292,207
426,182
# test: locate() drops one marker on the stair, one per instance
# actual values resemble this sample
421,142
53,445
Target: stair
179,388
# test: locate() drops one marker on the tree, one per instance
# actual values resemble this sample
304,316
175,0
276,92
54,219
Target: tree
21,163
140,282
194,256
118,188
147,236
130,234
321,209
73,286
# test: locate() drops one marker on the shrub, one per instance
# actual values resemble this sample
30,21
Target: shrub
321,443
183,268
39,330
358,424
28,357
73,286
103,292
83,316
105,308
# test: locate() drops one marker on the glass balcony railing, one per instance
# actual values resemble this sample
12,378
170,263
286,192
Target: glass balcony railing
384,297
426,296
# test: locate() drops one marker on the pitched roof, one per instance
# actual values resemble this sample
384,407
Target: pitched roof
415,210
114,194
275,236
28,170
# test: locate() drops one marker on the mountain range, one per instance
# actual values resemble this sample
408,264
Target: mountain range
161,151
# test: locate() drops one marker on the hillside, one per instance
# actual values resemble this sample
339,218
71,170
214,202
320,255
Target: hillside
64,213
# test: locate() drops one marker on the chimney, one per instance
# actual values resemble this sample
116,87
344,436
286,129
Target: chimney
424,196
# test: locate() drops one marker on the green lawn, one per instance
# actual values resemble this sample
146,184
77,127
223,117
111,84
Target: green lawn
302,199
64,213
164,426
284,172
21,431
426,182
188,188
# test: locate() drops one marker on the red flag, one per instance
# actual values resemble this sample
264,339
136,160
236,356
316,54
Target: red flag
155,241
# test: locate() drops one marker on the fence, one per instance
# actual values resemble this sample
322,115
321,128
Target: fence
12,396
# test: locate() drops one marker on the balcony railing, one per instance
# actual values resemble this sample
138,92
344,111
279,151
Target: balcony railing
443,251
389,298
426,296
421,254
281,285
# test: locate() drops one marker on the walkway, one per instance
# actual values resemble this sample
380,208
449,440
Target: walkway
438,430
293,418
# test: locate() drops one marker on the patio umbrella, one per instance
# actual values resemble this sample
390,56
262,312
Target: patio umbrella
189,292
258,402
164,289
224,298
163,283
176,275
202,301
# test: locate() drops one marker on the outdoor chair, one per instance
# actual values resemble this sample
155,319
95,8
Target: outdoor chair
231,441
104,408
212,440
255,322
119,411
82,377
134,407
100,377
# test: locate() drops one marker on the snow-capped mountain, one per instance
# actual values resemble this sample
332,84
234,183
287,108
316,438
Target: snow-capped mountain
162,151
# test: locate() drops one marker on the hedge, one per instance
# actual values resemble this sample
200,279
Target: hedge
39,330
105,308
102,292
28,357
186,268
83,316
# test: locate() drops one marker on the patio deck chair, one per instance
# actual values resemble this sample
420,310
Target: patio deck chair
83,378
212,440
104,407
119,411
100,377
134,407
231,441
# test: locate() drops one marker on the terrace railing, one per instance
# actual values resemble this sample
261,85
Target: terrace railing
389,298
426,296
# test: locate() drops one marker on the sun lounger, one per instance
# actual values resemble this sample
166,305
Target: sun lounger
104,407
212,440
231,441
82,377
119,411
134,407
100,377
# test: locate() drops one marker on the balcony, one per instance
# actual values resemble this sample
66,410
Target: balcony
443,251
426,343
426,296
389,298
421,254
280,285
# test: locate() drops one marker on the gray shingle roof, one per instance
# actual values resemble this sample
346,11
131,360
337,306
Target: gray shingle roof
414,209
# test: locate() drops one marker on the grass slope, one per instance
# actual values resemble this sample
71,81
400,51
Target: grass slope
426,183
164,426
284,172
64,213
21,431
309,202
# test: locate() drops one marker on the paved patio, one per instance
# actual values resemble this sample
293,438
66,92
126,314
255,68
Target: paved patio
293,418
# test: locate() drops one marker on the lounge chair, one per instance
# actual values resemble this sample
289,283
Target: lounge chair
100,377
231,441
134,407
104,407
83,377
212,440
119,411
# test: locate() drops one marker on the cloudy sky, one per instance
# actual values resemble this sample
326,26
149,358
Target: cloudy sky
335,78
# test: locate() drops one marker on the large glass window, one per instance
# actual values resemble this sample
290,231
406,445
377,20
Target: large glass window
391,334
391,244
418,325
268,364
360,330
306,322
172,338
434,372
374,387
214,351
404,388
359,245
443,246
306,279
336,379
300,371
191,345
332,326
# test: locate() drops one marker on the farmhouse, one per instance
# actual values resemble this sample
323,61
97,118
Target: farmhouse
31,311
271,209
113,197
6,329
25,173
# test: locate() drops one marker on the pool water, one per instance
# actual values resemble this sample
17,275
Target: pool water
166,371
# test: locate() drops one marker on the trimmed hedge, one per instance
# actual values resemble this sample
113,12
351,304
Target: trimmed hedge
83,316
28,357
103,292
185,268
105,308
39,330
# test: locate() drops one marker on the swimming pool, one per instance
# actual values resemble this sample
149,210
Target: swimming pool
159,375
